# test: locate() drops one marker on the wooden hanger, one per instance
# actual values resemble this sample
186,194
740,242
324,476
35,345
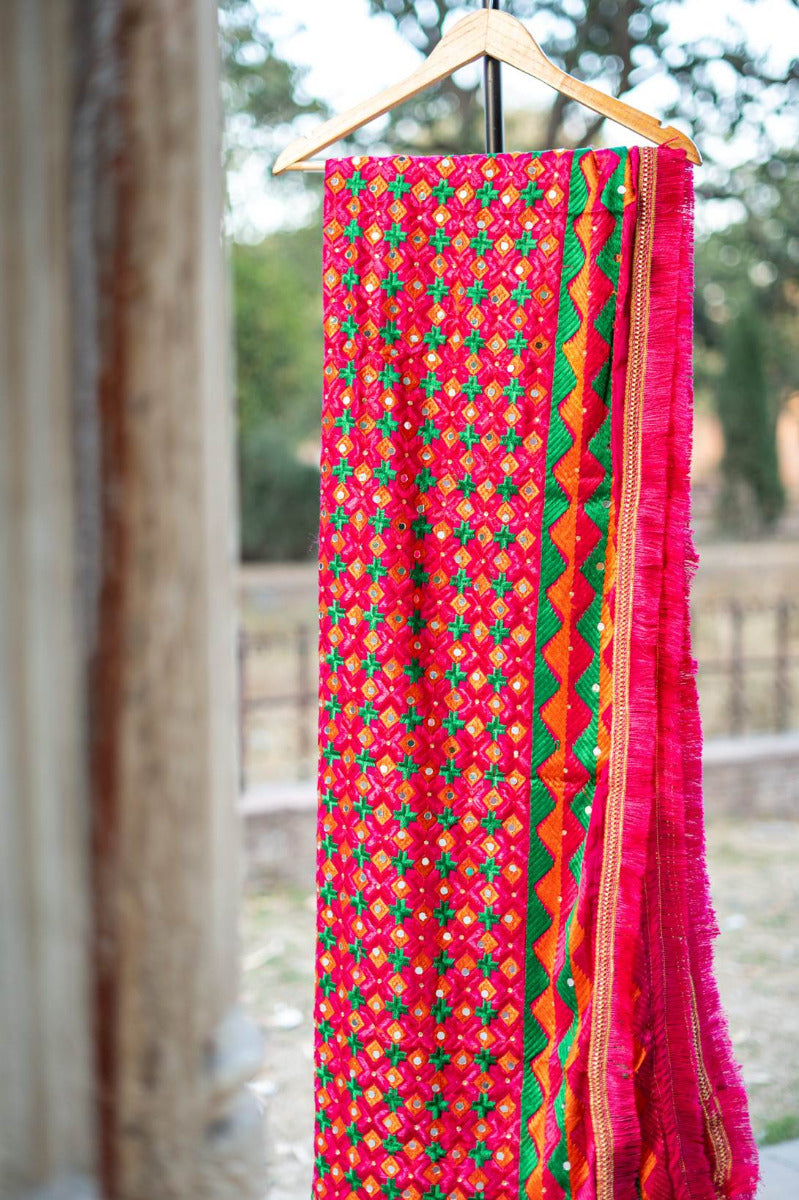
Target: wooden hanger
500,36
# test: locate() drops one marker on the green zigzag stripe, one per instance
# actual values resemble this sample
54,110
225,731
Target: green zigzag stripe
597,507
545,683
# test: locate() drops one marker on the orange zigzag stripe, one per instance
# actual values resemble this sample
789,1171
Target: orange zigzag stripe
574,1114
556,654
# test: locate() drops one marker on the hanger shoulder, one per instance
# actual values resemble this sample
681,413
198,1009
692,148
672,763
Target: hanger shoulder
511,42
503,37
464,43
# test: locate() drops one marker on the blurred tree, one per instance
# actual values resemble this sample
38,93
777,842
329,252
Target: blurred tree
751,497
278,331
279,371
747,323
279,498
261,91
276,303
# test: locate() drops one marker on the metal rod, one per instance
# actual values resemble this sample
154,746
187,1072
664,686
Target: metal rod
492,88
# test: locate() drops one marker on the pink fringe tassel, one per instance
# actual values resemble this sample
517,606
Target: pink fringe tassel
673,1085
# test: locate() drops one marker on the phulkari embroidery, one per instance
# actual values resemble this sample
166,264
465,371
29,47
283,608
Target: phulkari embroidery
515,996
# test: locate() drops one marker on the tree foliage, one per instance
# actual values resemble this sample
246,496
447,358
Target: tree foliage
279,498
747,321
754,259
279,371
278,332
276,305
261,91
751,497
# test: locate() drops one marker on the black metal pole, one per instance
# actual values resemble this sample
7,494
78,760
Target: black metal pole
492,87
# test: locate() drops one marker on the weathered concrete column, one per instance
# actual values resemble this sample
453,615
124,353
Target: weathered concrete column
158,552
123,1056
46,1119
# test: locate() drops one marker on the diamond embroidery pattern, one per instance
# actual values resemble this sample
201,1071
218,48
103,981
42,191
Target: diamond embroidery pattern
442,295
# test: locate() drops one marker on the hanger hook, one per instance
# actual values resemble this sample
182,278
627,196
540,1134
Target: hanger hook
492,91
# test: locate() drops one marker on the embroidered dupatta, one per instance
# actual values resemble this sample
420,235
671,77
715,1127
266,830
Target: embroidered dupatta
515,994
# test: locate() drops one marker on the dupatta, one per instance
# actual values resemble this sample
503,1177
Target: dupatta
514,995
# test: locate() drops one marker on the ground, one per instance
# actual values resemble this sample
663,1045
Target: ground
756,891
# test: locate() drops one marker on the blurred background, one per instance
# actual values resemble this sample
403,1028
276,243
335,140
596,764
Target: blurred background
728,74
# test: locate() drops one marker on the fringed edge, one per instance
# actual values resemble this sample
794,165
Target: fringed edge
585,957
679,1116
701,1104
653,290
715,1043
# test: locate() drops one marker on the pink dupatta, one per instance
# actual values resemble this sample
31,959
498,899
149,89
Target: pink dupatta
515,995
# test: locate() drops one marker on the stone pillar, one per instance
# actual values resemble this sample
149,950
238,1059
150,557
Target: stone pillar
46,1117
